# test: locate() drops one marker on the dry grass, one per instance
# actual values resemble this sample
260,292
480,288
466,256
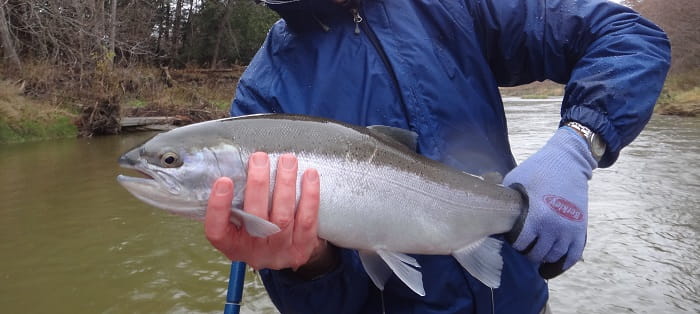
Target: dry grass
98,98
681,94
24,118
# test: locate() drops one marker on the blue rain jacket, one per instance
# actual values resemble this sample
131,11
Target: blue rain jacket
434,67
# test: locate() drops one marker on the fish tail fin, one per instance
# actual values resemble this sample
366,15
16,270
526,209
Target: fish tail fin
482,259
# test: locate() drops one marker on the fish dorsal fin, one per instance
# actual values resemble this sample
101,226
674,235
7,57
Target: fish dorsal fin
405,137
375,267
482,259
401,264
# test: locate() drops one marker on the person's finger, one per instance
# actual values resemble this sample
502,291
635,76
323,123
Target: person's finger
305,236
217,228
525,239
284,201
558,250
257,191
575,253
543,246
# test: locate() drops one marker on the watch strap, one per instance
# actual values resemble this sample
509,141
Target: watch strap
595,143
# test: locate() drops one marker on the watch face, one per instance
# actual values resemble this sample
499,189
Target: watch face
597,146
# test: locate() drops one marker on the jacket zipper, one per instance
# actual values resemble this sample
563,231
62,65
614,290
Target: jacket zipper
358,20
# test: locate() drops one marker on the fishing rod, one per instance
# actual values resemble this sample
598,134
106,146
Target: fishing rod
235,288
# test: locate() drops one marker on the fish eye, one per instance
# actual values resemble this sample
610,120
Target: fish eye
170,160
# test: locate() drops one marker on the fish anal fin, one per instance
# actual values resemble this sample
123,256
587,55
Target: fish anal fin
400,264
254,225
375,267
482,259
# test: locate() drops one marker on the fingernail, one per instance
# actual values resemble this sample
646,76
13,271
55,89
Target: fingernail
259,160
287,162
222,187
311,175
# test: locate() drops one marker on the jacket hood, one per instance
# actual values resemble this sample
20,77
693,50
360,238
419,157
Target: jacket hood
304,15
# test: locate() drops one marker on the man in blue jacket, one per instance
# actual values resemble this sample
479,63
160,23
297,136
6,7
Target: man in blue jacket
434,67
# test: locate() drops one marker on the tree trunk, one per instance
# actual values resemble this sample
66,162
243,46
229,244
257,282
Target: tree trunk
113,30
219,36
8,48
174,41
99,21
162,29
190,22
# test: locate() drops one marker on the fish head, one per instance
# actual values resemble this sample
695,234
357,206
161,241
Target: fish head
179,170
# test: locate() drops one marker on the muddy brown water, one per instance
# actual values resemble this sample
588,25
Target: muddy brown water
73,241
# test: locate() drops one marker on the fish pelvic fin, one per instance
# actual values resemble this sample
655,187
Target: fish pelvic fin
403,266
375,267
254,225
483,260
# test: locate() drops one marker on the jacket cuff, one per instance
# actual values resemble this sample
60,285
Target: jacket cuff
599,123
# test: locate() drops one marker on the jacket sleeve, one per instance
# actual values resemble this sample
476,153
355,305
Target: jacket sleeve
612,60
344,290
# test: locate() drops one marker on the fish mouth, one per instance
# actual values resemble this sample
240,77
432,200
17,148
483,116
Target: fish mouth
146,180
142,185
152,192
128,161
140,180
141,174
143,188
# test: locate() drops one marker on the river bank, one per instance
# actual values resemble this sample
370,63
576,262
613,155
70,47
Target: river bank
25,119
681,95
48,103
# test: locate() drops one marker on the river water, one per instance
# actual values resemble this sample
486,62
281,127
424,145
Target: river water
73,241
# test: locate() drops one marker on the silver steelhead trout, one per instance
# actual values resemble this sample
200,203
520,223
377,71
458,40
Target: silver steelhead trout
377,195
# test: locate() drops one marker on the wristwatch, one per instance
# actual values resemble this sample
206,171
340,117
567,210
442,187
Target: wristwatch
595,141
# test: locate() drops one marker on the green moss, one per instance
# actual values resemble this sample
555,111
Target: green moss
223,105
136,103
32,130
8,134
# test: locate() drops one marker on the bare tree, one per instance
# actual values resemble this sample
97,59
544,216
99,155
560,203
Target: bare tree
228,9
113,28
175,40
679,18
8,47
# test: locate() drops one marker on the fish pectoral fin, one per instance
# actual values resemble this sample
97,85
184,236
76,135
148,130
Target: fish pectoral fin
401,264
235,219
375,267
482,259
254,225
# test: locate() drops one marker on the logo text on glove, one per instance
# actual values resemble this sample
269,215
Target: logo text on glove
564,208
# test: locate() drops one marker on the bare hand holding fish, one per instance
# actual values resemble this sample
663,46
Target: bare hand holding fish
296,244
